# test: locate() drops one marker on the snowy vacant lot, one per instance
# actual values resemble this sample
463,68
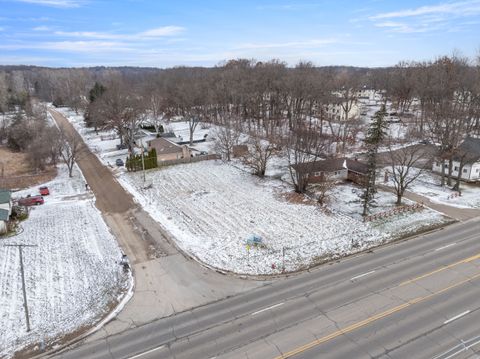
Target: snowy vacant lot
212,208
72,273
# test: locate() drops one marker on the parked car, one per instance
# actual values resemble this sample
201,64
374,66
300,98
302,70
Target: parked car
31,201
119,162
44,191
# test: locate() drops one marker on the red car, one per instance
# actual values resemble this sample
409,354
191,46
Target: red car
44,191
31,201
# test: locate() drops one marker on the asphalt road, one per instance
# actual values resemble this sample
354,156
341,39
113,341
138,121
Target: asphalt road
412,299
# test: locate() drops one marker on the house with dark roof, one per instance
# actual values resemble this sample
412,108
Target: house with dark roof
340,169
468,154
6,205
167,150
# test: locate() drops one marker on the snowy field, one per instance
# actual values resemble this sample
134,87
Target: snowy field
428,185
212,208
72,272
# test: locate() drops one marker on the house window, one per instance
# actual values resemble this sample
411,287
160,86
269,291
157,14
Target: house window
478,170
465,170
456,168
445,165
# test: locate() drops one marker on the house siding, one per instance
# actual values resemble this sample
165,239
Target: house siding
469,172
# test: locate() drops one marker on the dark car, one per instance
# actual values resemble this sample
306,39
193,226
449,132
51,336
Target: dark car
44,191
31,201
119,162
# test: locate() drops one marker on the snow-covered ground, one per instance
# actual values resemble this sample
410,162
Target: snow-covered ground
212,208
428,185
345,198
72,272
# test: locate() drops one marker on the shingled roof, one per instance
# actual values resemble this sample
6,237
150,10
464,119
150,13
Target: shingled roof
331,165
163,146
469,149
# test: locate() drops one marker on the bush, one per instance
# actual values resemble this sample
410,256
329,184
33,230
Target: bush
134,162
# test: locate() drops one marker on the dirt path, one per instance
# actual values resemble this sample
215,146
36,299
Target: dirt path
166,281
460,214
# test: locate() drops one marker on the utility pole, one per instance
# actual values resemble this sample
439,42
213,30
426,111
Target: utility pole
143,161
25,303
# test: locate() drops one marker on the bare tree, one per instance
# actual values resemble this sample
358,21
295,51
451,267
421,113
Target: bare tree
407,164
259,153
304,146
226,137
323,188
71,149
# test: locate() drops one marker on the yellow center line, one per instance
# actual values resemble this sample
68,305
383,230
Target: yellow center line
466,260
372,319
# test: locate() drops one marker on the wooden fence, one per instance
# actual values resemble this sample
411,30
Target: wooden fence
189,160
394,211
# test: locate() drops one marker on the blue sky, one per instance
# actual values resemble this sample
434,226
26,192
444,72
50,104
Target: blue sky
166,33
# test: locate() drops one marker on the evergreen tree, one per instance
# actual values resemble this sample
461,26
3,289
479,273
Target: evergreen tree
96,91
375,135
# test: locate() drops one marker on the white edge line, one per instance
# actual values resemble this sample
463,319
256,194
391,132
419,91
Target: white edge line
362,275
268,308
147,352
462,349
456,317
448,245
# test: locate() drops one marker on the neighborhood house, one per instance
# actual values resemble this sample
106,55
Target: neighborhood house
5,209
340,169
167,150
468,153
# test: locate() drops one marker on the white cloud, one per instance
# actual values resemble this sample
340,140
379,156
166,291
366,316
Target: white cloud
89,34
165,31
56,3
41,28
464,8
162,31
426,18
73,46
294,44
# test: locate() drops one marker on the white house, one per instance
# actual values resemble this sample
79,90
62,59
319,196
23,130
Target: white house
5,209
336,112
469,154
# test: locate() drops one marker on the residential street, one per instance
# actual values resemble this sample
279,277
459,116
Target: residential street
416,298
166,282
